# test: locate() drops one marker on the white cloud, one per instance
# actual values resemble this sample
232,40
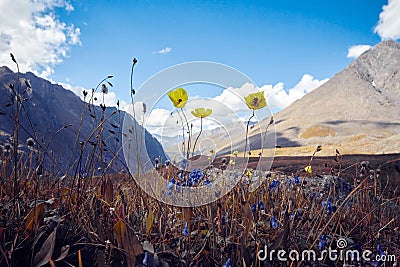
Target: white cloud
277,96
35,35
158,117
165,50
356,50
110,99
388,26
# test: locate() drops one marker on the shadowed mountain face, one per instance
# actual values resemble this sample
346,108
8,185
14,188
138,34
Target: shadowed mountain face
358,109
50,107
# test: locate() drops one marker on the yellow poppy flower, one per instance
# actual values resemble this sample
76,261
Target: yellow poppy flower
201,112
256,100
178,97
308,169
235,153
249,174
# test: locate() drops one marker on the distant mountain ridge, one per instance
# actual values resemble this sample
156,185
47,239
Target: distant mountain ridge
358,108
356,111
51,107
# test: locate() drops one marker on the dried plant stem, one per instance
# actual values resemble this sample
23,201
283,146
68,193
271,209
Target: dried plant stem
245,144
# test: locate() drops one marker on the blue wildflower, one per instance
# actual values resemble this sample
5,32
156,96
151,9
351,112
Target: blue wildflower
83,173
261,205
328,205
295,180
171,184
274,222
146,258
254,208
200,174
352,253
323,242
185,230
168,193
223,220
357,247
314,194
189,182
197,174
207,183
295,214
227,263
380,251
274,184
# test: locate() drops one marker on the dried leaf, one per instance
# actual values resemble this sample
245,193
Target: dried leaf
101,259
187,215
35,218
147,246
247,221
46,251
13,58
64,253
119,231
132,247
149,222
108,192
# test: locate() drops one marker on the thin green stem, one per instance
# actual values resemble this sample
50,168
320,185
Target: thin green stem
183,134
197,138
189,138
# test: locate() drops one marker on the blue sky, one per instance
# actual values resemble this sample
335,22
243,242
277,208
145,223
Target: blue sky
270,41
287,48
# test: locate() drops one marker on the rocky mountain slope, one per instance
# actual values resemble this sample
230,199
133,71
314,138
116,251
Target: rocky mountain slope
50,107
356,111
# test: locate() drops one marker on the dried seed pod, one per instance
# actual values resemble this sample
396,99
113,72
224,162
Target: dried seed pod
30,142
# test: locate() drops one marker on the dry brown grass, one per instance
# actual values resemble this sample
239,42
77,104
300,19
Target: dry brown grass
97,222
318,131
